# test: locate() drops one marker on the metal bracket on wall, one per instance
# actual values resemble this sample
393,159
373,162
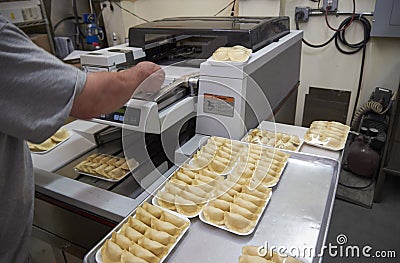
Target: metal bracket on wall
329,5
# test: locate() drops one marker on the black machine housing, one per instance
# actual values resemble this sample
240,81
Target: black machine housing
199,37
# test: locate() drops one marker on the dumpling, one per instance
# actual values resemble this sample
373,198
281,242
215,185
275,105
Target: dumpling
92,156
121,240
183,177
154,247
234,208
224,196
189,173
46,145
176,221
246,204
192,197
105,159
141,252
255,192
213,215
253,259
112,161
238,222
219,165
161,237
124,166
154,210
204,186
128,257
111,252
137,225
255,200
186,207
100,170
120,162
165,226
172,188
117,173
166,200
253,250
144,216
130,233
197,191
220,204
61,135
209,173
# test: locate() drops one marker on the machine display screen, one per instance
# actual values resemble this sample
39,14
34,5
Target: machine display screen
117,116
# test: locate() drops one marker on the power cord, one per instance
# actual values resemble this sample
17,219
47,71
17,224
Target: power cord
223,9
340,40
130,12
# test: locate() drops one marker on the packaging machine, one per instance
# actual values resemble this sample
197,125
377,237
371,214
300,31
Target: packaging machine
199,96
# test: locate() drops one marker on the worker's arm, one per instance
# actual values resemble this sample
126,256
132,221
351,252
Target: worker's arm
104,92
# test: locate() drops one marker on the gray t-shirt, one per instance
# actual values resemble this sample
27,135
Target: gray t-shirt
36,95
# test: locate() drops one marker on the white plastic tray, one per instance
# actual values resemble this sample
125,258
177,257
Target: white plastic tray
52,148
227,62
223,227
99,259
297,148
154,201
105,178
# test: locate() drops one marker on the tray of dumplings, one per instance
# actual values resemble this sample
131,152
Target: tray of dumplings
148,236
196,186
193,184
105,167
274,139
236,55
51,143
328,135
252,254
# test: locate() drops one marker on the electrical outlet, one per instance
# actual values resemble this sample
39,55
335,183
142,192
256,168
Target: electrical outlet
330,5
302,13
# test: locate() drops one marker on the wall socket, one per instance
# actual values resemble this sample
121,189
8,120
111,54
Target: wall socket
330,5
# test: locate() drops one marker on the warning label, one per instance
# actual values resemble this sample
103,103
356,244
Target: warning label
218,104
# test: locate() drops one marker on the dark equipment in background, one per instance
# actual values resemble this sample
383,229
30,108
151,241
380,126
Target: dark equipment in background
372,122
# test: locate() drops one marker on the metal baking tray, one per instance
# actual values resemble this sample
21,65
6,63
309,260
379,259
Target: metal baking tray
298,215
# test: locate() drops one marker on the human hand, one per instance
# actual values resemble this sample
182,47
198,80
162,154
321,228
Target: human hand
151,75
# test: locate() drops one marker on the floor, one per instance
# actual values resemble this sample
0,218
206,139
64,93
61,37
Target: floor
378,228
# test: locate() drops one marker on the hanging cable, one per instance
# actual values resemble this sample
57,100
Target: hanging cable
223,9
130,12
233,8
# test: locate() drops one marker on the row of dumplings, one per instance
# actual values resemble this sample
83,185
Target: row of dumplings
187,191
259,165
60,136
236,53
103,165
219,155
237,207
277,140
256,254
147,237
328,133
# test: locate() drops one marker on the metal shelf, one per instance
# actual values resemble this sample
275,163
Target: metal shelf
41,22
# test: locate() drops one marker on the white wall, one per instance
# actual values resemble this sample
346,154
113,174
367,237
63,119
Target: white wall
324,67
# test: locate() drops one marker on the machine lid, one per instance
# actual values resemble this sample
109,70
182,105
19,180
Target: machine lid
206,23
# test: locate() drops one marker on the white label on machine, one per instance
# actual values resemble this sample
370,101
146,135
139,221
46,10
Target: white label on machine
218,104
